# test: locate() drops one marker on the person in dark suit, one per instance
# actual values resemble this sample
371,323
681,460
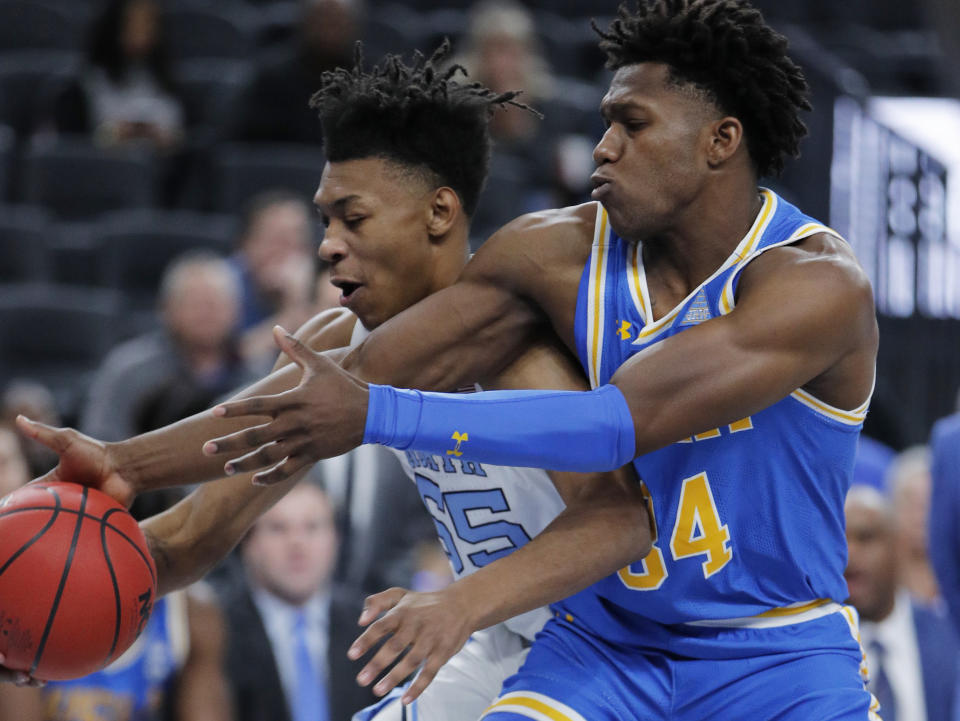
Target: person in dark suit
944,525
289,625
913,654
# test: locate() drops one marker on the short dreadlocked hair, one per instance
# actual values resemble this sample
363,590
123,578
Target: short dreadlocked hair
416,115
724,48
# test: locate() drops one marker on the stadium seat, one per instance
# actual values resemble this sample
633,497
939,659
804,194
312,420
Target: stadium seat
243,170
210,88
136,246
30,24
222,30
8,142
56,335
24,235
76,179
29,81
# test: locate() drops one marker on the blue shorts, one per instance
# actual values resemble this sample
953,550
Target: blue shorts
798,672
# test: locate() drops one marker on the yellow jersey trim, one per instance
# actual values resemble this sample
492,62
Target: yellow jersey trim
596,315
850,418
636,283
775,617
535,706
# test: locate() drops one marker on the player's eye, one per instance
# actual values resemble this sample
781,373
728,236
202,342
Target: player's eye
354,222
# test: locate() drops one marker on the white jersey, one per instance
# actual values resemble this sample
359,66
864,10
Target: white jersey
482,512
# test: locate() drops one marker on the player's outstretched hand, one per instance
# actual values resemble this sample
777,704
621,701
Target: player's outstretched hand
429,627
83,460
18,678
323,416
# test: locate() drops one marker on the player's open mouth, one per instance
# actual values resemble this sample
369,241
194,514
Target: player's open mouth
347,288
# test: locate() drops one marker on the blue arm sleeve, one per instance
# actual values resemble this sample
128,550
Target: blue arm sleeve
556,430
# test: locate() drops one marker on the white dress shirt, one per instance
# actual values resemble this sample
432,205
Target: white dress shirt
898,636
279,619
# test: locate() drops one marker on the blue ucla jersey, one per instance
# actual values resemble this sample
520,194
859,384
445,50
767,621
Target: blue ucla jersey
133,687
481,512
749,517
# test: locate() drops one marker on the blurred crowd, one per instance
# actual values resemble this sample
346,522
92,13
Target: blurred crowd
157,163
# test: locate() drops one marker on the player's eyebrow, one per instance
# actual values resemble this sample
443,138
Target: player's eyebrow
617,108
337,204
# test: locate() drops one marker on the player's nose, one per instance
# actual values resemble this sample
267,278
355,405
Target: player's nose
332,248
607,149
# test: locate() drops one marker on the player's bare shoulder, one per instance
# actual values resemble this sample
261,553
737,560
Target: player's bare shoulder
540,257
328,329
543,240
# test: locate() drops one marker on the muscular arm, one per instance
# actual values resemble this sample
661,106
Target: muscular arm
804,319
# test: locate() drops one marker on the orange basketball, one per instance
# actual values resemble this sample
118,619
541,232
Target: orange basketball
77,582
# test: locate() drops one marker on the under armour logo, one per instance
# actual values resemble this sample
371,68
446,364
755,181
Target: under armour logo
459,438
624,330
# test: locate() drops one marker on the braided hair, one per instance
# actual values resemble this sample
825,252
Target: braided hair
725,49
416,115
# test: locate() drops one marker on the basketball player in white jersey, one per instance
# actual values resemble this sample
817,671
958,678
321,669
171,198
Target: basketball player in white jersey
408,150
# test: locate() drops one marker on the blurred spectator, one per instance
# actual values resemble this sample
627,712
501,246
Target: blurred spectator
14,470
501,51
912,652
163,376
290,626
275,107
908,484
125,92
872,463
276,264
945,511
538,162
34,400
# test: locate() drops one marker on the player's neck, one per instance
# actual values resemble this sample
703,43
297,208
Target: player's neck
704,235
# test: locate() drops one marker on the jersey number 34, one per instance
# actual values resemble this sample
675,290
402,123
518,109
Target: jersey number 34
697,532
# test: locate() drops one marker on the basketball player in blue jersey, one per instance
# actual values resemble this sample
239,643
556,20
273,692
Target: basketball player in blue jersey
731,341
408,147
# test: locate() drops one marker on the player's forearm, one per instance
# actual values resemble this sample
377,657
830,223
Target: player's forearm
582,545
172,455
559,430
190,538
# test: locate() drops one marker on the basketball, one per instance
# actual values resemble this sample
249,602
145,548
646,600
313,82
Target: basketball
77,582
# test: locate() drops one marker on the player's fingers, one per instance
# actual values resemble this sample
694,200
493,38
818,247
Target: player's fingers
378,603
244,441
268,405
369,638
56,439
284,470
399,673
386,655
423,679
300,354
264,457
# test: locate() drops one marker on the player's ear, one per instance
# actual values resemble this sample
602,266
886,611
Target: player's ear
443,212
726,137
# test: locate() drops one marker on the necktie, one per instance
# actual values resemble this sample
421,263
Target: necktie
310,695
880,684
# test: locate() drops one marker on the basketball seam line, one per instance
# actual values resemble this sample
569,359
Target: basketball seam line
113,578
63,582
91,517
24,547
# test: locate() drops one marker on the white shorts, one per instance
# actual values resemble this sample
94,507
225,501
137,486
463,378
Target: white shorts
464,686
